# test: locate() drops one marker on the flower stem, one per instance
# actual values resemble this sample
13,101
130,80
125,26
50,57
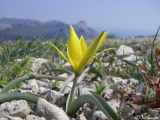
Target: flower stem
73,90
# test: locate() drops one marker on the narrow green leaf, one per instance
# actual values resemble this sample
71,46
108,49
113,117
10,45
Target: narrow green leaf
106,50
59,51
18,96
97,100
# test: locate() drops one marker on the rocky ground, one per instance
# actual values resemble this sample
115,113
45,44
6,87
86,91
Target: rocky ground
121,92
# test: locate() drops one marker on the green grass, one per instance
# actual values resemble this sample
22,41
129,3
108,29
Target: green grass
23,50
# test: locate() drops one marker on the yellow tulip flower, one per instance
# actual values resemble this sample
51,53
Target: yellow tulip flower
77,51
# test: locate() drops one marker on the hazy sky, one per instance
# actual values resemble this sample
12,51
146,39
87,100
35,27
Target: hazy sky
124,17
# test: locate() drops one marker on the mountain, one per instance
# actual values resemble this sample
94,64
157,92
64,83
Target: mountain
12,27
15,21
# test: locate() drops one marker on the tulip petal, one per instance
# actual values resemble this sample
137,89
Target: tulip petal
96,43
74,50
83,45
59,51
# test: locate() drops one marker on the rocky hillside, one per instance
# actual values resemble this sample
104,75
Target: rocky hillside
10,28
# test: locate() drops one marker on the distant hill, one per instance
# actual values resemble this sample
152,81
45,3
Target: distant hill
11,27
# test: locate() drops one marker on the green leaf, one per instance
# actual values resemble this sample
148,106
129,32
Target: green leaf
13,83
107,50
17,69
97,100
59,51
99,88
18,96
